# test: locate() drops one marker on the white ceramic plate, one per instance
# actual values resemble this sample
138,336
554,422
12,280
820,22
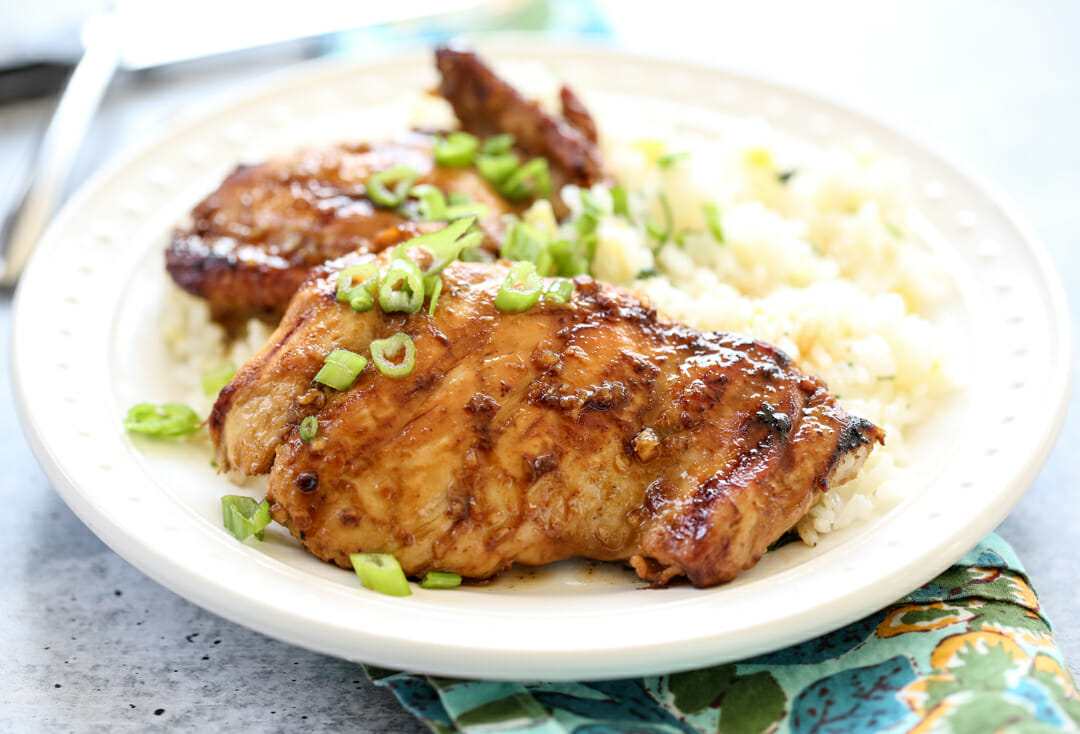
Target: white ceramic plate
87,346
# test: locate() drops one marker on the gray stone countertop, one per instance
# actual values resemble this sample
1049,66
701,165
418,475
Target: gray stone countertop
91,644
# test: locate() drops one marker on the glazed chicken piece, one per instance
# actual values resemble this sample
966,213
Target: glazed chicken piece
592,429
254,240
485,104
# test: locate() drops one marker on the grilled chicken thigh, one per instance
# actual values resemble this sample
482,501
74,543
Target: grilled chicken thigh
590,429
254,240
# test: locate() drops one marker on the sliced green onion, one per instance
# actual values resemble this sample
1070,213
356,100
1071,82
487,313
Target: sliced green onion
620,202
661,231
559,291
591,203
394,356
435,292
567,258
712,219
497,144
213,381
402,179
456,150
356,286
167,420
669,160
458,198
525,243
533,178
649,273
432,202
587,222
360,300
402,287
340,369
445,245
244,517
309,428
381,572
440,580
587,246
497,168
521,290
471,209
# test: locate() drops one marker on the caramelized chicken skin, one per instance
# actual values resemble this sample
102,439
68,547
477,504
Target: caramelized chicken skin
485,104
254,240
594,429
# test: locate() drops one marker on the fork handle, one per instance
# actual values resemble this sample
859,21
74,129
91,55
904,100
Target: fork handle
47,177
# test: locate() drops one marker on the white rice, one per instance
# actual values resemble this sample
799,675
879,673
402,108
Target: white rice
822,265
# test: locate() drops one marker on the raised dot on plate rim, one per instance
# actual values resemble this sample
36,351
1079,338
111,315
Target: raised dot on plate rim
196,153
678,82
133,204
776,106
162,176
989,248
102,231
966,219
727,92
237,132
934,189
820,124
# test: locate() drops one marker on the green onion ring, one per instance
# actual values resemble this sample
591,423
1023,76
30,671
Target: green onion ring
440,580
381,572
446,244
432,202
497,168
215,380
402,178
456,150
309,428
385,354
340,369
521,290
356,282
402,287
167,420
497,144
559,291
244,517
527,180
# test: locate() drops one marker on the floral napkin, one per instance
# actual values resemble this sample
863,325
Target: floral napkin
968,652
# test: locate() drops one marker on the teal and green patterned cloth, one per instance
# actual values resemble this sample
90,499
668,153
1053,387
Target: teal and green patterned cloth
968,652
